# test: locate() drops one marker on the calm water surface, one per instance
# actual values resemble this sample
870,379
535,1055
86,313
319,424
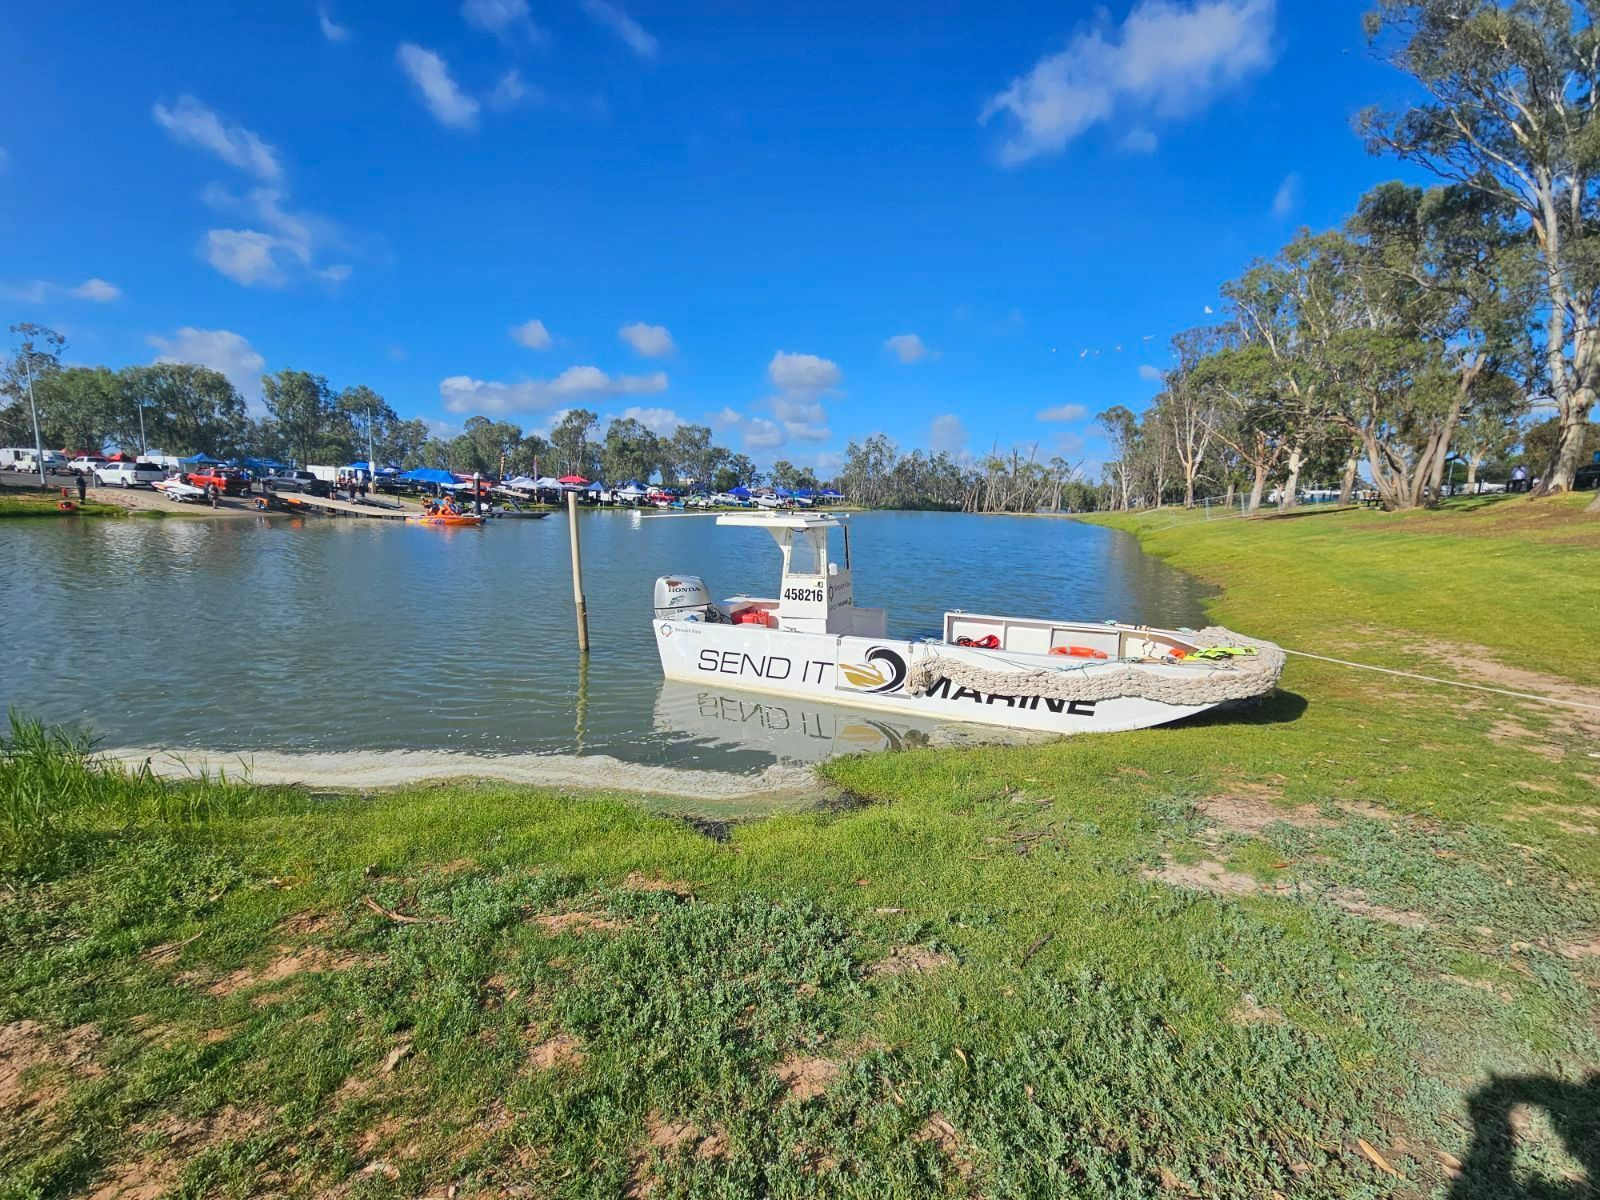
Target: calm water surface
278,633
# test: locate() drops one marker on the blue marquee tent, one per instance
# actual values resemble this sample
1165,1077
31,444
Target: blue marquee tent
743,493
200,458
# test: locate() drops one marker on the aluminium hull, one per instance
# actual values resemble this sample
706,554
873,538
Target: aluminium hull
829,668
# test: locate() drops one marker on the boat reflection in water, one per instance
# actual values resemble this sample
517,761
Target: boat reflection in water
788,731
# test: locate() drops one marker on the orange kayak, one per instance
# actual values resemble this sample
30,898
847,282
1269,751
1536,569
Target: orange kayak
460,519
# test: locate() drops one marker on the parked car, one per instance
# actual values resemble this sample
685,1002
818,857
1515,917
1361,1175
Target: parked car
1587,477
128,474
86,464
225,479
297,481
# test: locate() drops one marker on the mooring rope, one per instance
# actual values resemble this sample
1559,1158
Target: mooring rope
1477,687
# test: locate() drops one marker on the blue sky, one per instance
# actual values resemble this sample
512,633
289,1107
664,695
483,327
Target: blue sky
799,223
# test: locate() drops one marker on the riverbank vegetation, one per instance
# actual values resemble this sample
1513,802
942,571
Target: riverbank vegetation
46,503
1425,330
1343,943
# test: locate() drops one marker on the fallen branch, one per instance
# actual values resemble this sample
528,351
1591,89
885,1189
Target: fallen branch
391,915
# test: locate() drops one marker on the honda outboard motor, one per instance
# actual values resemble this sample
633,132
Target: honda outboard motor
684,596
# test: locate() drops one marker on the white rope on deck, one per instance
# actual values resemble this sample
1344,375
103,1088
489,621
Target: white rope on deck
1476,687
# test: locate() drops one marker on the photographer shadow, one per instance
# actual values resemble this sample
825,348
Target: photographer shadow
1488,1172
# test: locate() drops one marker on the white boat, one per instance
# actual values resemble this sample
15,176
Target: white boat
179,491
1059,676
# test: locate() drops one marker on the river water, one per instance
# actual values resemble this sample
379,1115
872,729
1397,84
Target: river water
319,636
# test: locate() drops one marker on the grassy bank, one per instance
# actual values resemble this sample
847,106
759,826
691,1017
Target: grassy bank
1340,944
44,504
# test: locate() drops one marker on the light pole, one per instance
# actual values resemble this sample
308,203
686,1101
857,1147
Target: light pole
372,463
144,446
38,442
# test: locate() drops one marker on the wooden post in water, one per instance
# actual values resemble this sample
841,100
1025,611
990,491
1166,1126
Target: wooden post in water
577,574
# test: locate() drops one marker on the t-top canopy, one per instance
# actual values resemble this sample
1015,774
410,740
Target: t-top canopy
800,521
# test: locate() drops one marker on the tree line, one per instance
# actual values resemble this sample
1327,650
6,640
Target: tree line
184,408
1430,327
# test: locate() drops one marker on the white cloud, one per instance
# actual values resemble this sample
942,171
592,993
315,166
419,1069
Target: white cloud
512,91
221,350
1287,198
40,290
430,74
947,434
256,257
1150,373
503,18
625,27
660,421
97,290
193,123
907,347
652,341
245,256
1168,59
762,434
1064,412
1140,140
331,30
463,394
532,334
803,372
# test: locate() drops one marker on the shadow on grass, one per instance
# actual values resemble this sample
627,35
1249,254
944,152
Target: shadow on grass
1573,1110
1277,709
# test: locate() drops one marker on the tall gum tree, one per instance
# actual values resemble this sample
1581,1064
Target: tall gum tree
1511,111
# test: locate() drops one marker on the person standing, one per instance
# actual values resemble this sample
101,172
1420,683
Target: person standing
211,494
1519,479
83,489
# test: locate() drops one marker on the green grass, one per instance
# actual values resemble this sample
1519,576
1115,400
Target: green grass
43,504
1081,1028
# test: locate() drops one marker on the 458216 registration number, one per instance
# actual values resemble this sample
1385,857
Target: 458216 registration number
813,595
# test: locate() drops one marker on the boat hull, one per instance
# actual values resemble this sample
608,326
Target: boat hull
445,522
869,673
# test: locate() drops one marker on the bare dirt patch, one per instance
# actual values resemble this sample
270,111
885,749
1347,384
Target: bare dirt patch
909,960
1249,812
557,1051
636,882
27,1047
940,1133
1354,901
577,922
670,1139
1589,948
156,1172
1203,876
806,1078
1249,1011
305,924
1508,732
288,964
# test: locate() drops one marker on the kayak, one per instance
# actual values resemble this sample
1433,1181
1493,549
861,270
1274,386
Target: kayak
446,521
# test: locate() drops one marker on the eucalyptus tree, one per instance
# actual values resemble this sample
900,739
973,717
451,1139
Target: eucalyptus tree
187,408
1440,286
81,408
630,451
1122,432
301,404
1510,111
1189,406
1251,420
37,357
572,445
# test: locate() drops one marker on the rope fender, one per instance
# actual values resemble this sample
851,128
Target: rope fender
1239,678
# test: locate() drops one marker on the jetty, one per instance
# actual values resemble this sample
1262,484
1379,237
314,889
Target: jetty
300,502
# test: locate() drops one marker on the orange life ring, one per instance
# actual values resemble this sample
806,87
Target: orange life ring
1079,651
66,505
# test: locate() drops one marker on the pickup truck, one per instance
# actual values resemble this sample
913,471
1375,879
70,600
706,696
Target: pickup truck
86,464
226,480
128,474
297,481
